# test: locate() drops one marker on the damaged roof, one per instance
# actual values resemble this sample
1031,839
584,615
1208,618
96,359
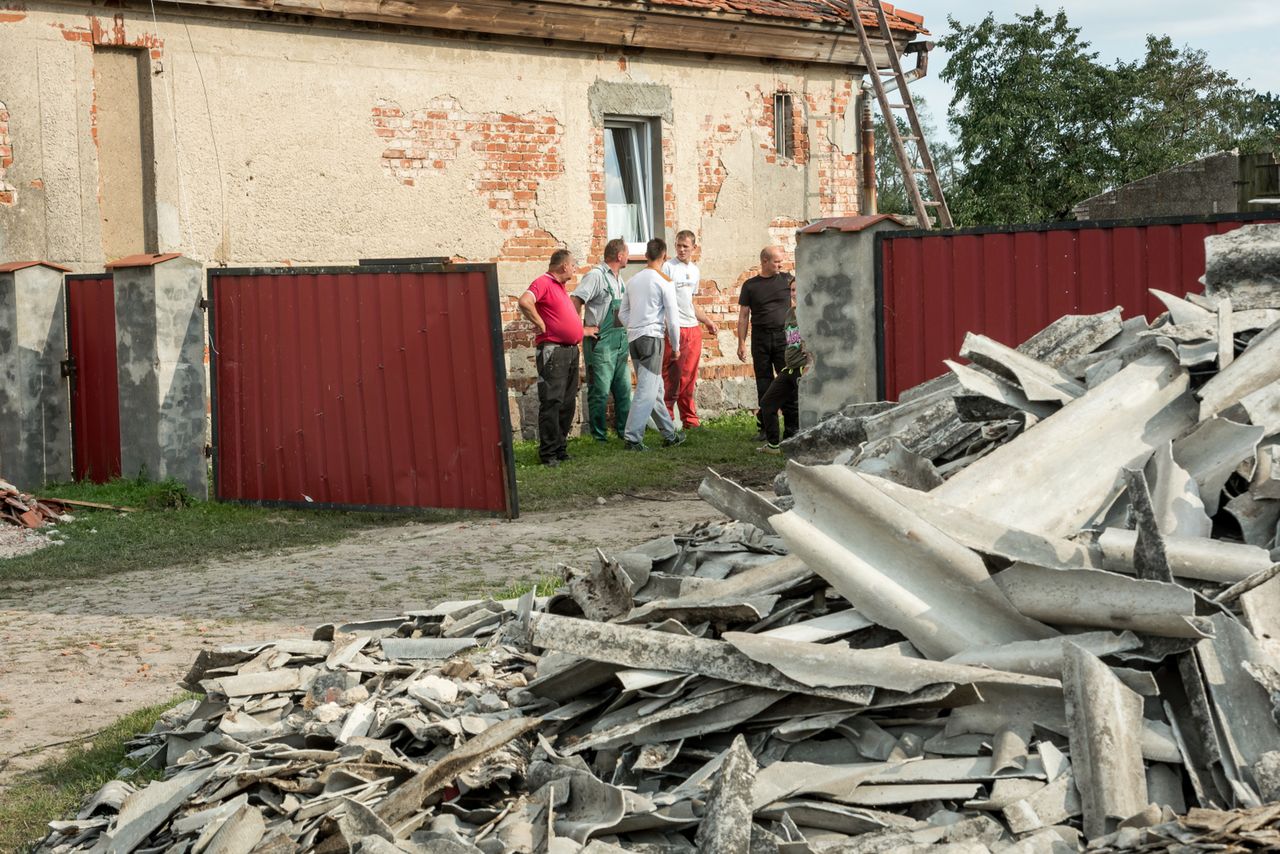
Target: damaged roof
816,31
809,11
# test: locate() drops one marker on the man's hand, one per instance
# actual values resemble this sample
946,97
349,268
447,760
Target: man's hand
591,331
675,355
742,351
710,326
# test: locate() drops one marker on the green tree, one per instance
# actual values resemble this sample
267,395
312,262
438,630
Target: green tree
891,190
1041,124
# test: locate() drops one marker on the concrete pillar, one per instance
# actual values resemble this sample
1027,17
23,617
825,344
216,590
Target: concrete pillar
160,368
35,419
836,308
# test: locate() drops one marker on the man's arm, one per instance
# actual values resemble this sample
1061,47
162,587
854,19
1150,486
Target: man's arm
672,314
579,305
744,321
624,310
529,308
705,319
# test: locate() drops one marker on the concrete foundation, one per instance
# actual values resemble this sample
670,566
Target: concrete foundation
35,422
160,368
836,307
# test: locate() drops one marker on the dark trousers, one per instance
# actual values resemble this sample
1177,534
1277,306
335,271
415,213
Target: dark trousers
784,395
768,355
557,397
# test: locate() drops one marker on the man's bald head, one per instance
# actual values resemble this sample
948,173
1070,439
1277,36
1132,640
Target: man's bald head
771,258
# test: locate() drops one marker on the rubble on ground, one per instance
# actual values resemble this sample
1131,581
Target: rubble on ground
27,511
1028,608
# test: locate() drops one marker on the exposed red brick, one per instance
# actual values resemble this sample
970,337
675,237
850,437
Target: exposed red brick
8,194
12,13
516,152
114,35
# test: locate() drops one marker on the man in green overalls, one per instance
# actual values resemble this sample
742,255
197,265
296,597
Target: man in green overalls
605,341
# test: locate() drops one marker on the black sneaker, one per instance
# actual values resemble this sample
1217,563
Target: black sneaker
564,457
760,436
552,463
677,439
635,446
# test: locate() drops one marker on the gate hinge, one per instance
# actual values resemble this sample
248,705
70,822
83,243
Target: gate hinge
68,368
208,450
204,304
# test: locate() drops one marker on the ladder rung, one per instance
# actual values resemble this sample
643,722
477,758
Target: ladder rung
899,106
911,139
931,203
923,171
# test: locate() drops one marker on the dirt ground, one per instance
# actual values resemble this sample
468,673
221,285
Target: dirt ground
74,658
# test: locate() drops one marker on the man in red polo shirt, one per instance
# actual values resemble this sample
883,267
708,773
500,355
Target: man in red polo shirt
548,307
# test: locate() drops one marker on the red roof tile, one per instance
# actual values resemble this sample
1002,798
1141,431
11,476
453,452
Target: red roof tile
850,223
144,260
14,266
805,11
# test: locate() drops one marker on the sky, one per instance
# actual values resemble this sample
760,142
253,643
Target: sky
1241,37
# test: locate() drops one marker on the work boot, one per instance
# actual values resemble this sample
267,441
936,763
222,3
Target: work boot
676,439
551,463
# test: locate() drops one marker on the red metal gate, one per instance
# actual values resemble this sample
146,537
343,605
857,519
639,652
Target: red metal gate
1009,283
95,394
369,387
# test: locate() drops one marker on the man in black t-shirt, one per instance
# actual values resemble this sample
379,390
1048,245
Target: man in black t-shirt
763,306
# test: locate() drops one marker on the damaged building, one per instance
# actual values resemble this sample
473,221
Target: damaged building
257,133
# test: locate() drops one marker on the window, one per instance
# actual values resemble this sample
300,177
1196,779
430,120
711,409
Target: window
783,136
631,168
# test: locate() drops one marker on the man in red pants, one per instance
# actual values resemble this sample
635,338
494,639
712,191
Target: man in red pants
681,374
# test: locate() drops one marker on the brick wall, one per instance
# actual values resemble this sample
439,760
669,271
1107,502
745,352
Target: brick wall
7,193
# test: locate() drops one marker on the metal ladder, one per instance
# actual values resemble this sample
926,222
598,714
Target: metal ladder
909,171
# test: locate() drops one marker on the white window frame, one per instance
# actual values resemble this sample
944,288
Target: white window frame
783,125
647,155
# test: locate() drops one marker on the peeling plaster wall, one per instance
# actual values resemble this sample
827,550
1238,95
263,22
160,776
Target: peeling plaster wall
296,142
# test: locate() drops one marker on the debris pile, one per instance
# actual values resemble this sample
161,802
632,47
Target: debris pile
1028,608
27,511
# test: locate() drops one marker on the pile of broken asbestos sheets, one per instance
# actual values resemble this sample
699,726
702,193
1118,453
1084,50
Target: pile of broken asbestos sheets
27,511
1038,630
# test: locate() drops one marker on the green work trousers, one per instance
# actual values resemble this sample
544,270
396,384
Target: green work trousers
607,373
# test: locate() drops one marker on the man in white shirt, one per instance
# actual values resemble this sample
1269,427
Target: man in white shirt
649,311
681,375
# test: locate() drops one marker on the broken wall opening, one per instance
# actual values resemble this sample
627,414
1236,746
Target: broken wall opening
124,132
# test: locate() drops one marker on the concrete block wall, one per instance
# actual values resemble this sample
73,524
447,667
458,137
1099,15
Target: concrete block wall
836,309
160,369
35,429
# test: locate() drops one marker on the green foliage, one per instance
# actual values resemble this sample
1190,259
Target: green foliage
1041,124
57,790
891,189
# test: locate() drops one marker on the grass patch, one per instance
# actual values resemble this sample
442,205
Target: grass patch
168,529
603,469
543,585
58,789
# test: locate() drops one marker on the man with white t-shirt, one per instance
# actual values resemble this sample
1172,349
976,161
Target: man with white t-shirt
680,376
649,312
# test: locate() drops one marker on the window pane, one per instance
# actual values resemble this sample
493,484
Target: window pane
626,183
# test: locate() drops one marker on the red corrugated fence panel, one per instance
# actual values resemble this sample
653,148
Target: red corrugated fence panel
366,387
1008,285
95,390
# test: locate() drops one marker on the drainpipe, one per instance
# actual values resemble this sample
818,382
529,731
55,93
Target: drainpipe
868,150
